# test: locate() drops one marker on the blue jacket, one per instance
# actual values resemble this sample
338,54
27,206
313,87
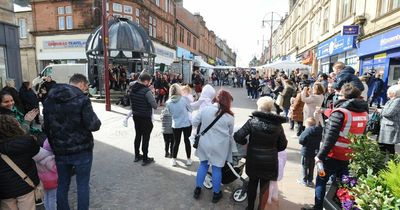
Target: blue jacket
69,120
310,139
347,76
179,109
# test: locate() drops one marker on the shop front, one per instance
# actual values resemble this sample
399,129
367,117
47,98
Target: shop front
165,56
338,48
186,54
61,49
10,63
308,58
381,54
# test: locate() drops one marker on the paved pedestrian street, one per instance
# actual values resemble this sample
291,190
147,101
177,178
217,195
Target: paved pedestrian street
119,183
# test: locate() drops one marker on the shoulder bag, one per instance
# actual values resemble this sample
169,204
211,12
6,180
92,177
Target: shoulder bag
198,135
38,190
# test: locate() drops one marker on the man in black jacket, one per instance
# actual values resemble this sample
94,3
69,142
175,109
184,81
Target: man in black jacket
349,116
69,120
142,103
377,90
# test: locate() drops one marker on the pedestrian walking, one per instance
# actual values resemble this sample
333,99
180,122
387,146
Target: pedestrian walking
389,134
20,148
179,108
142,104
267,138
310,140
349,116
69,121
214,147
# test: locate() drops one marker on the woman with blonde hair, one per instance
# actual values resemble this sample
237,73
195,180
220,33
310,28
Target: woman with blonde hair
179,108
267,138
312,99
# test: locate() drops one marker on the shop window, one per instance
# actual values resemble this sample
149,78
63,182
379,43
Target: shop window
22,28
3,66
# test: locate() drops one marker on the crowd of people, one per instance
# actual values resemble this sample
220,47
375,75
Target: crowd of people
50,152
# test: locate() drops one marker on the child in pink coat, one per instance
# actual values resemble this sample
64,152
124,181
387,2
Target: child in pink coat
47,171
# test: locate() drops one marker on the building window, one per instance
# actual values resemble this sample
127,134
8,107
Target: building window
166,5
157,2
138,16
194,43
171,35
128,17
386,6
325,26
181,35
70,23
152,27
127,9
188,39
344,10
312,32
166,33
65,20
117,7
22,27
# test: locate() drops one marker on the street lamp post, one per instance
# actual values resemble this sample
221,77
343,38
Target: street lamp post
104,23
271,23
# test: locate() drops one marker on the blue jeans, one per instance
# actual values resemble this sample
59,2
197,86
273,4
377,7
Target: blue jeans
50,199
216,176
82,163
333,167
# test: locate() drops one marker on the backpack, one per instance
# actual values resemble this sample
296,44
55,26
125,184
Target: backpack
374,123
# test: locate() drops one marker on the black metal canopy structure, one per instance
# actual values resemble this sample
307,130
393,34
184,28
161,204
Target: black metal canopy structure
128,43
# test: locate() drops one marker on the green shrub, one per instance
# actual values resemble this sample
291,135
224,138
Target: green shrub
390,177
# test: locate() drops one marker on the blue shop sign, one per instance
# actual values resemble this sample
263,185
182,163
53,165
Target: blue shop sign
183,52
379,43
336,45
352,30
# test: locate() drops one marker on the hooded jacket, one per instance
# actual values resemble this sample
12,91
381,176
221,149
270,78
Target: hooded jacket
69,120
20,150
267,138
142,101
206,97
332,128
347,76
179,109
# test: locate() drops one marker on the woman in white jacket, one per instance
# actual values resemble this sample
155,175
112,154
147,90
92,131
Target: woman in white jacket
215,145
312,100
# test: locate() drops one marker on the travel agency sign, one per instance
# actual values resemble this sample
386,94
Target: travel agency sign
336,45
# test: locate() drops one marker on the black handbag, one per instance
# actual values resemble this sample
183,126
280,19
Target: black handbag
198,135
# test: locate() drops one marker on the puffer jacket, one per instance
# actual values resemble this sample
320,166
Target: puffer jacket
332,128
266,139
347,76
69,120
310,138
20,150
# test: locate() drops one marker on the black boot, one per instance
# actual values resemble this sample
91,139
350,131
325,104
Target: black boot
197,192
217,197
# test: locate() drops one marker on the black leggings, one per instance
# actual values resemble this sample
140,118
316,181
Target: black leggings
143,128
177,140
252,191
169,143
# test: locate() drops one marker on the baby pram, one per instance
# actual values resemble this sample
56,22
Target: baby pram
231,172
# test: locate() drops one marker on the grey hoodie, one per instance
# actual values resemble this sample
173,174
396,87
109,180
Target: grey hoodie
179,109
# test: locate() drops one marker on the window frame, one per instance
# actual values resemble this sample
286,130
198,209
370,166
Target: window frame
325,20
188,38
71,25
61,19
115,7
127,9
60,10
69,11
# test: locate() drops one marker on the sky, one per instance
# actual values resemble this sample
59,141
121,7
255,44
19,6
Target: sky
239,22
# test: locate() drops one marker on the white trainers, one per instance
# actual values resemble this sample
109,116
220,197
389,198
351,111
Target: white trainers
173,162
189,162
